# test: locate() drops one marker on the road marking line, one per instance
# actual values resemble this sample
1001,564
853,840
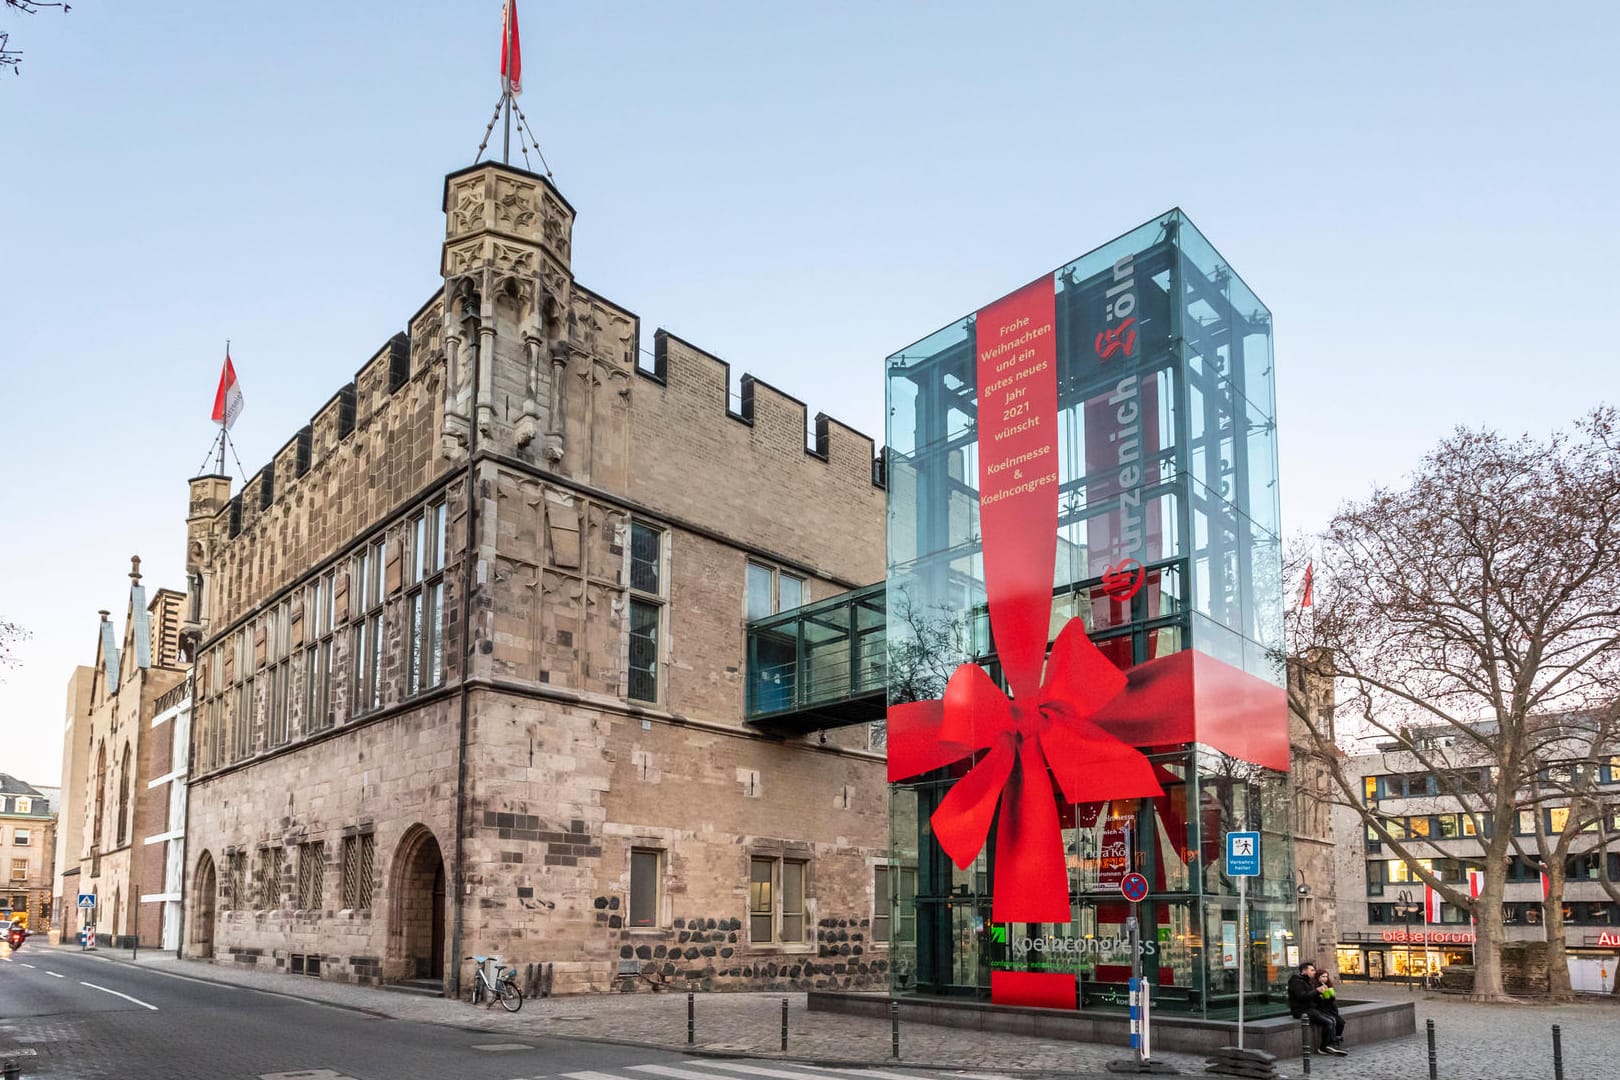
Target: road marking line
595,1076
53,974
848,1072
28,965
115,993
730,1066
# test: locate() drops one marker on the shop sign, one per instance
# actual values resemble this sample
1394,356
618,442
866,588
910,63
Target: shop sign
1608,939
1431,937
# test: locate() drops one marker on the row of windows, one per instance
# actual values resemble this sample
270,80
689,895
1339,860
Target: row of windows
1552,820
20,837
1584,867
1418,785
263,890
18,804
1514,914
776,898
236,679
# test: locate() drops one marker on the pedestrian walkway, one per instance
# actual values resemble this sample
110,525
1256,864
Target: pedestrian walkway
1502,1042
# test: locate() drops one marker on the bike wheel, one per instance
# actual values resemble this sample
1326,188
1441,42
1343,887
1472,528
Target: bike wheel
511,997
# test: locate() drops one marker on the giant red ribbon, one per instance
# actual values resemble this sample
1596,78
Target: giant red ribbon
1066,715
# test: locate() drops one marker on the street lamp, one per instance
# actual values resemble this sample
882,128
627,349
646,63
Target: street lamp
1406,908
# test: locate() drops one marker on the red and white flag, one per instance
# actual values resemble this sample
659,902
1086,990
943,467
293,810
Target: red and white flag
228,398
1546,887
1305,597
1476,885
1431,904
511,54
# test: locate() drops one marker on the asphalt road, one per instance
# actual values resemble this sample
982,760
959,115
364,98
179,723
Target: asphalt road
70,1015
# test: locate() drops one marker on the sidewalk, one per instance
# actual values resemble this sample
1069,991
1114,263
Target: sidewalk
1503,1042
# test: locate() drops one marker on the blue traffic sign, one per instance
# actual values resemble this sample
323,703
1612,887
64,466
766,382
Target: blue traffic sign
1134,887
1242,854
87,900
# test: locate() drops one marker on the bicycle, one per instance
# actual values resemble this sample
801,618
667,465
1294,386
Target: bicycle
502,988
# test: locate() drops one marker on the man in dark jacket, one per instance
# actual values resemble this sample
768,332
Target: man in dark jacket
1302,1002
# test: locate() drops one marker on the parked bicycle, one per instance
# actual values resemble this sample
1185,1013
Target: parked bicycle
502,987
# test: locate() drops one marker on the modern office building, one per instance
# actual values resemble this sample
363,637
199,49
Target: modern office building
1085,621
532,644
1388,930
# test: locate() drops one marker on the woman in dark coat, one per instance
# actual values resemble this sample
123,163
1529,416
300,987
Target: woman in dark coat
1327,1002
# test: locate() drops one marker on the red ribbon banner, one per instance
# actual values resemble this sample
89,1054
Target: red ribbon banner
1066,714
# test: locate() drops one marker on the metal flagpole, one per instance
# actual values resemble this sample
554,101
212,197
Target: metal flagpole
506,142
1243,948
219,465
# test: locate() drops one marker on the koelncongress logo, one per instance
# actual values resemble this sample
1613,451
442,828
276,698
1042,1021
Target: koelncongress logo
1050,944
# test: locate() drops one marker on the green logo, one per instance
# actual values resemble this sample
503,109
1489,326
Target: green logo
998,934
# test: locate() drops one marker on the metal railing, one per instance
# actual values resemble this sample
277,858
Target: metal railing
817,656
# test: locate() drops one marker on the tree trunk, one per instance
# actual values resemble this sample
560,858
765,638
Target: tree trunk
1488,916
1558,984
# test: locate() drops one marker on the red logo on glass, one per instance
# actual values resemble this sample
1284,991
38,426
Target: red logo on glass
1121,338
1124,579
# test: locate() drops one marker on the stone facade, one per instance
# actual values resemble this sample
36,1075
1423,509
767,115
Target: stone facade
70,818
116,773
1313,823
470,654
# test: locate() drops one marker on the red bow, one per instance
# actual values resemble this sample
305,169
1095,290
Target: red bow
1021,743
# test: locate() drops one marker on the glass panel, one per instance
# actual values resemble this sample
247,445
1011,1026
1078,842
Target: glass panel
761,901
644,619
643,888
759,592
645,551
437,550
882,903
793,901
790,592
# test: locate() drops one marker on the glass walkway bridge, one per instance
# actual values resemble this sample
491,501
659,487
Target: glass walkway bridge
819,666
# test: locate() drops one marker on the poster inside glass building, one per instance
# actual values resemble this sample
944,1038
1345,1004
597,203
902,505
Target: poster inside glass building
1084,619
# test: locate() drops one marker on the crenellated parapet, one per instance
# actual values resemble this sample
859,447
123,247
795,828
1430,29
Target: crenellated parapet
768,468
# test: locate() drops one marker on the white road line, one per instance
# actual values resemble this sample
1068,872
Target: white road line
28,965
598,1076
812,1070
729,1066
53,974
115,993
873,1072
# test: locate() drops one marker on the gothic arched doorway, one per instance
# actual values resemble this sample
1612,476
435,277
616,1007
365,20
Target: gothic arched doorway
416,910
204,891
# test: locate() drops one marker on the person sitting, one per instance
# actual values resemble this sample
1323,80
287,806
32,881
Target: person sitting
1303,1000
1327,1000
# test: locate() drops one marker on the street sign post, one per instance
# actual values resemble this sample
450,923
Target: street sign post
1134,887
1243,863
87,900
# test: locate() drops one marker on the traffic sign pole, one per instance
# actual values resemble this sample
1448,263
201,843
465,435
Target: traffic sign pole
1243,948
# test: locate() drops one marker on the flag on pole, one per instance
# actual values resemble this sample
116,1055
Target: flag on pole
1305,597
1546,887
511,53
1476,885
228,398
1431,904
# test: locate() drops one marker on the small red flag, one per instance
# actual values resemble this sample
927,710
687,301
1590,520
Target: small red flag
1305,599
228,398
511,53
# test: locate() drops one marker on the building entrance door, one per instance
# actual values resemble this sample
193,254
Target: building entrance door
204,891
418,907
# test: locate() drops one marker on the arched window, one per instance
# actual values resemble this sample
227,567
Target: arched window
101,795
126,788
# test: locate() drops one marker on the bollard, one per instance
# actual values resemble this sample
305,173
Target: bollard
691,1019
894,1029
12,1071
784,1025
1305,1045
1434,1063
1558,1053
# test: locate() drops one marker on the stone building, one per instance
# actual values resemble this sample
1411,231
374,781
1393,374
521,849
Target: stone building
28,841
471,670
1313,824
118,773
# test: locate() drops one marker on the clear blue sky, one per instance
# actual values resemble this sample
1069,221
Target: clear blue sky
1423,194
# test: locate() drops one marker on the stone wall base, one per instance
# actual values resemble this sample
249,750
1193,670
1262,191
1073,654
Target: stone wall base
1365,1022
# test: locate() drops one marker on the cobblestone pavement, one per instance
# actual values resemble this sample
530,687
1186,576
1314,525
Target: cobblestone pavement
1474,1042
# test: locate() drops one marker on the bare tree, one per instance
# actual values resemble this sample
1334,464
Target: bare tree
12,58
1457,614
11,635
